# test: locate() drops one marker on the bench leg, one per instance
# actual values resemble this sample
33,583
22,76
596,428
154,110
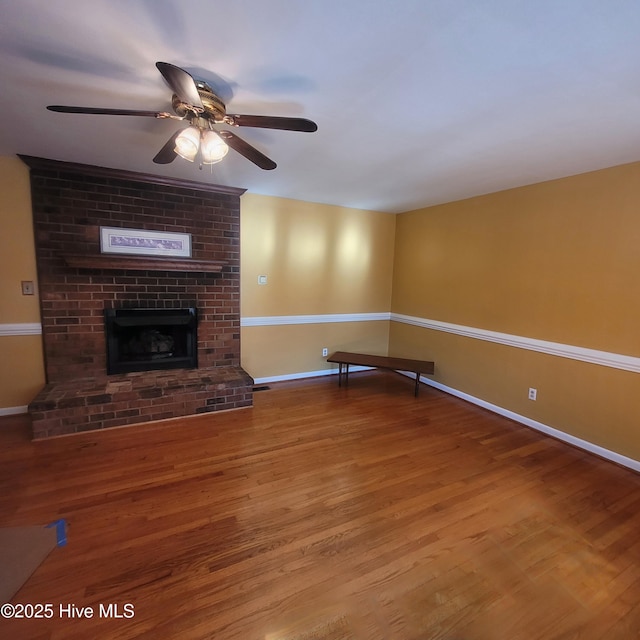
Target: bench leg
346,373
415,393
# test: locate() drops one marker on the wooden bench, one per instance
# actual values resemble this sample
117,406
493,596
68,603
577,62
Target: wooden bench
344,358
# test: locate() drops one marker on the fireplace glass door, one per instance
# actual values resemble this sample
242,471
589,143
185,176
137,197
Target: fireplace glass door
148,339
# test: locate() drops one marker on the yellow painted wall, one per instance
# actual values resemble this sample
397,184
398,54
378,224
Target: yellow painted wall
21,372
275,351
21,369
557,261
318,259
17,254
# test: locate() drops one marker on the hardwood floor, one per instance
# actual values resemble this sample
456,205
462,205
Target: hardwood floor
359,513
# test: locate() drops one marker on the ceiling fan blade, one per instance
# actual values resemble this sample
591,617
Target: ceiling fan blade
273,122
182,84
167,154
246,150
107,112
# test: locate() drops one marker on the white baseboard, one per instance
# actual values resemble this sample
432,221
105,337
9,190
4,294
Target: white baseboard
11,411
595,449
624,461
306,374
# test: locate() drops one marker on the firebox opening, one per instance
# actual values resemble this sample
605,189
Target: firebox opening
148,339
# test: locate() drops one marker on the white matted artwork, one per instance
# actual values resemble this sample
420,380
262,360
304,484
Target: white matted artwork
145,243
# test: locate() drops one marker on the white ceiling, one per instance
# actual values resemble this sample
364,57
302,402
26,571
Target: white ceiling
417,101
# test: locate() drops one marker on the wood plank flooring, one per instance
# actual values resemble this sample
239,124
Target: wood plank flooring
359,513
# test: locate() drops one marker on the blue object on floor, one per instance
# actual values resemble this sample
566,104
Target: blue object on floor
61,531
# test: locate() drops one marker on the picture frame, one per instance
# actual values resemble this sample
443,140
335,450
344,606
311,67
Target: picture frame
145,243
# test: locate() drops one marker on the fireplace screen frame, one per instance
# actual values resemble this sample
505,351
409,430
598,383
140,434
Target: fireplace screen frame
119,323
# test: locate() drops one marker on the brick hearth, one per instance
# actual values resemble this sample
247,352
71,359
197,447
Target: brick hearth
96,403
70,204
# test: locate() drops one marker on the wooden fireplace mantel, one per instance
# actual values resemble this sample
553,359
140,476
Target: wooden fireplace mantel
141,263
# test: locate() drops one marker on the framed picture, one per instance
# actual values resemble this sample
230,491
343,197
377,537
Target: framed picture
144,243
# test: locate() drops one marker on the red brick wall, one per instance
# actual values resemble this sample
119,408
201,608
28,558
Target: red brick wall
70,203
69,206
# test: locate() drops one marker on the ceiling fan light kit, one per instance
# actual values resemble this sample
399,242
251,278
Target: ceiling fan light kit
196,102
187,143
193,139
212,147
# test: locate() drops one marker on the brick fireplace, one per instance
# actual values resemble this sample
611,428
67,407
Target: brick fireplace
80,288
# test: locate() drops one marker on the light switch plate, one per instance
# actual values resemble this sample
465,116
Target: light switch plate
27,288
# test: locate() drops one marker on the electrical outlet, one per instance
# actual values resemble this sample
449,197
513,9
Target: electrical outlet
27,287
325,352
533,393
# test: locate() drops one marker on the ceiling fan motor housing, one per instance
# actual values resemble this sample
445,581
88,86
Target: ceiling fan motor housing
214,109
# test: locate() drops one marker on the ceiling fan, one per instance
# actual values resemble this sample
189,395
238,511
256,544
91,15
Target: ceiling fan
195,101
